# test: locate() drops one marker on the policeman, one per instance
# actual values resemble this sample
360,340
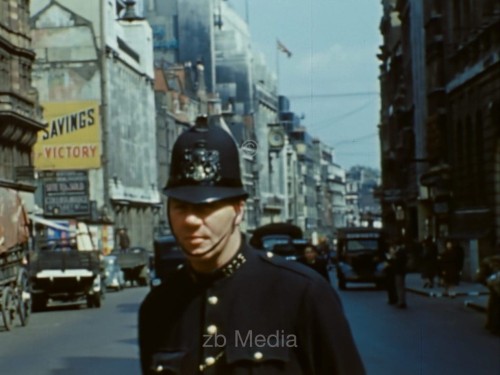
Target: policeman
233,309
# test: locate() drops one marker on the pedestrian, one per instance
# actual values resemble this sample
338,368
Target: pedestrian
312,259
489,275
123,240
395,275
450,265
233,309
429,269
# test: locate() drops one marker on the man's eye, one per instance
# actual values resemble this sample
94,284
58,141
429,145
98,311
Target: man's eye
179,207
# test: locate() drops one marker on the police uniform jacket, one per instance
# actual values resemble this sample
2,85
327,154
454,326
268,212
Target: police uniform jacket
259,314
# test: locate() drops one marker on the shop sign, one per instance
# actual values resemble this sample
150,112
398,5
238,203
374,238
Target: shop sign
66,193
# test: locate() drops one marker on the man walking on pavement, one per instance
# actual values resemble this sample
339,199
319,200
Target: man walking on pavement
233,309
396,273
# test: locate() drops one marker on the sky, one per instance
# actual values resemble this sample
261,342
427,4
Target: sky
332,76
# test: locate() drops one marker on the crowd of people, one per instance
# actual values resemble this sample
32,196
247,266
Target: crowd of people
439,268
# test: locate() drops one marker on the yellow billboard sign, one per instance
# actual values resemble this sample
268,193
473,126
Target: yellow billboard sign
72,139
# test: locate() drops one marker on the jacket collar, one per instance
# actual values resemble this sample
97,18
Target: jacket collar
227,270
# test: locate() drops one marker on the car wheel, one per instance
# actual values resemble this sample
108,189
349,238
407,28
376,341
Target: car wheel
97,297
90,301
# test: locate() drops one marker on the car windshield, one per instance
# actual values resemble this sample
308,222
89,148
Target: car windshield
361,245
270,241
58,247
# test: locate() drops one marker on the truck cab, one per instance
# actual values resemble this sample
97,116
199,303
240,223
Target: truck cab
360,256
66,270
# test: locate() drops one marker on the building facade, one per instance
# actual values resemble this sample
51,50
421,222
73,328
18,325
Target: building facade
285,178
20,111
444,184
95,75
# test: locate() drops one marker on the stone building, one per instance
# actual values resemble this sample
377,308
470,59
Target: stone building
463,44
280,169
20,112
94,72
440,79
211,33
178,102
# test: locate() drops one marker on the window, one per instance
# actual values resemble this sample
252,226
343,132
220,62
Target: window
4,13
479,155
361,245
4,71
24,75
23,17
6,162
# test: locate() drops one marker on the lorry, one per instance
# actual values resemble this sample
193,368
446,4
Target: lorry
68,269
15,296
360,256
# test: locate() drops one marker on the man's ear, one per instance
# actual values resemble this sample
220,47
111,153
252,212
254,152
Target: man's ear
239,208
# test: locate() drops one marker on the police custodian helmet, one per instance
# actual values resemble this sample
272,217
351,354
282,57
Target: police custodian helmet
205,165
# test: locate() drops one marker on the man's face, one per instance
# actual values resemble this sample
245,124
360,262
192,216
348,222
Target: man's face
310,254
203,230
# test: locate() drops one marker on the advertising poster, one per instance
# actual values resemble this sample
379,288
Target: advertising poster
72,138
58,234
65,193
108,236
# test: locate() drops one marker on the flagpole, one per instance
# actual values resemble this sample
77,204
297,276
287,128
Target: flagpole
277,67
280,47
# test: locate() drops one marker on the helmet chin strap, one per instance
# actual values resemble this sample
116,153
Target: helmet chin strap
219,241
225,235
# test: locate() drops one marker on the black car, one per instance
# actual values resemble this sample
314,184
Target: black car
168,256
134,263
360,256
282,239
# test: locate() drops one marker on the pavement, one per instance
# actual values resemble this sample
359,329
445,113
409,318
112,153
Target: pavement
476,295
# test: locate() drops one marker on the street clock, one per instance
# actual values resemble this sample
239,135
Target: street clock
276,139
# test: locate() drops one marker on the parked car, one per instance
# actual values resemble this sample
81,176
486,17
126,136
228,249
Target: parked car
360,256
134,263
168,256
113,274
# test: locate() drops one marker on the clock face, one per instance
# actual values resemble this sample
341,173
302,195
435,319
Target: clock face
276,138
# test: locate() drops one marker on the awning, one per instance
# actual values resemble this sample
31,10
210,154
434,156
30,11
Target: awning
48,223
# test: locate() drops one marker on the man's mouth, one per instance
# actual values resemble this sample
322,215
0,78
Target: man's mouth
195,238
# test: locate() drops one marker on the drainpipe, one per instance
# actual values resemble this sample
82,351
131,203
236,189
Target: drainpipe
104,111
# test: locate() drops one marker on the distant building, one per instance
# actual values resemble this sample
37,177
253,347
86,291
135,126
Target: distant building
362,204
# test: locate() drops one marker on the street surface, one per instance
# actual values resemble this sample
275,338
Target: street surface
432,336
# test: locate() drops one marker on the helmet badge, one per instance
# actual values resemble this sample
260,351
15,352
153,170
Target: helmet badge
201,165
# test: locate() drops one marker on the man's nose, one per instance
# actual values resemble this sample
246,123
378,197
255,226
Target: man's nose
192,218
